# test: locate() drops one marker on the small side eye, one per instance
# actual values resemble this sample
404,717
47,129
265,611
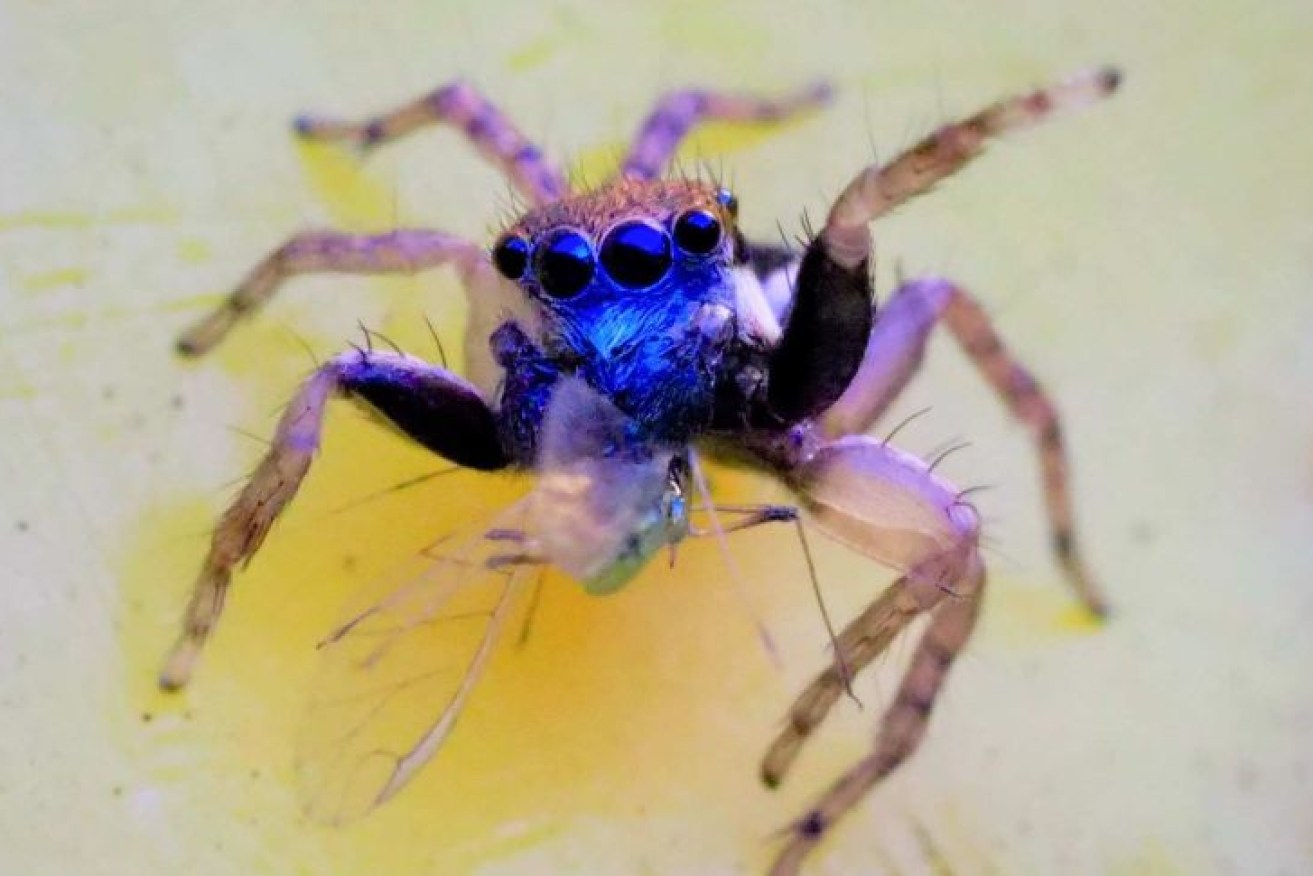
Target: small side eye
697,232
636,255
726,199
511,256
565,265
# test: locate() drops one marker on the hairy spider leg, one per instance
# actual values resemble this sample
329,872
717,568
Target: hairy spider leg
894,354
677,112
432,406
878,189
888,505
405,251
462,105
903,726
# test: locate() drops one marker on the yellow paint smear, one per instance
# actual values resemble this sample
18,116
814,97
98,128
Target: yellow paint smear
53,219
193,251
609,710
47,280
532,55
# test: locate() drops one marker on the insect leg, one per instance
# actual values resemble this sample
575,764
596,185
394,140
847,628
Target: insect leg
901,728
677,112
879,189
893,355
434,407
404,251
460,104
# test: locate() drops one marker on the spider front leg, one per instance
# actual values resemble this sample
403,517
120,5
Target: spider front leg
405,251
893,354
879,189
676,113
428,404
460,104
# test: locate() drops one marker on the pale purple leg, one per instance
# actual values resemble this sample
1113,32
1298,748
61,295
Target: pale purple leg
676,113
404,251
432,406
879,189
894,354
459,104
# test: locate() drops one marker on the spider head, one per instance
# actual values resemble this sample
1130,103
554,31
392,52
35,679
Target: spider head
634,284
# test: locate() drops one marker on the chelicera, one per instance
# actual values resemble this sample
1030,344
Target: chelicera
622,329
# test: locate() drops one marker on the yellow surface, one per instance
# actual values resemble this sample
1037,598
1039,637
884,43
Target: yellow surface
1151,259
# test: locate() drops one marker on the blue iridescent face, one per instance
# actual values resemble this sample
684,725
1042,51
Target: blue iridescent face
634,283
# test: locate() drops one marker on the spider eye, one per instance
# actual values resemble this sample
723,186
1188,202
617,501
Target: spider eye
565,266
636,255
726,199
697,232
511,256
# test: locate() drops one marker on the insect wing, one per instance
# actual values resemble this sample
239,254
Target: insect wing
599,491
394,678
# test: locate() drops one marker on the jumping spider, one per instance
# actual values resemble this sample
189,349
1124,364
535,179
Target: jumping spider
646,323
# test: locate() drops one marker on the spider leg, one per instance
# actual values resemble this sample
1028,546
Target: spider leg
889,506
894,353
460,104
823,340
428,404
404,251
901,729
879,189
677,112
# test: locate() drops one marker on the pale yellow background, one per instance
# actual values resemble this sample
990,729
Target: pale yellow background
1151,259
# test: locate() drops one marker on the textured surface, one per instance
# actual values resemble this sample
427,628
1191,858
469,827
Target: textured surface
1151,259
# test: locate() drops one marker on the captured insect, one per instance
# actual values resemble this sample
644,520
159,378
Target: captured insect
615,333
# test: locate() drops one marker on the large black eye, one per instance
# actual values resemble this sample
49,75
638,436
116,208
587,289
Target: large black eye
636,255
511,256
565,265
697,232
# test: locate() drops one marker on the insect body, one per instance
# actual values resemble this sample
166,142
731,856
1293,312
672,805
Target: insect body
646,324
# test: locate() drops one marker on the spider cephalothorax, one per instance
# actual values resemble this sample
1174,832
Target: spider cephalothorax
653,326
650,292
635,285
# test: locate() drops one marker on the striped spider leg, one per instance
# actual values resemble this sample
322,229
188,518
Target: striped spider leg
857,488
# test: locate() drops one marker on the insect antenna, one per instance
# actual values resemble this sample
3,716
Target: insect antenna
736,575
839,659
531,613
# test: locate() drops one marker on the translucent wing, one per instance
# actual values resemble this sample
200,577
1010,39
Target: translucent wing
600,506
394,678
